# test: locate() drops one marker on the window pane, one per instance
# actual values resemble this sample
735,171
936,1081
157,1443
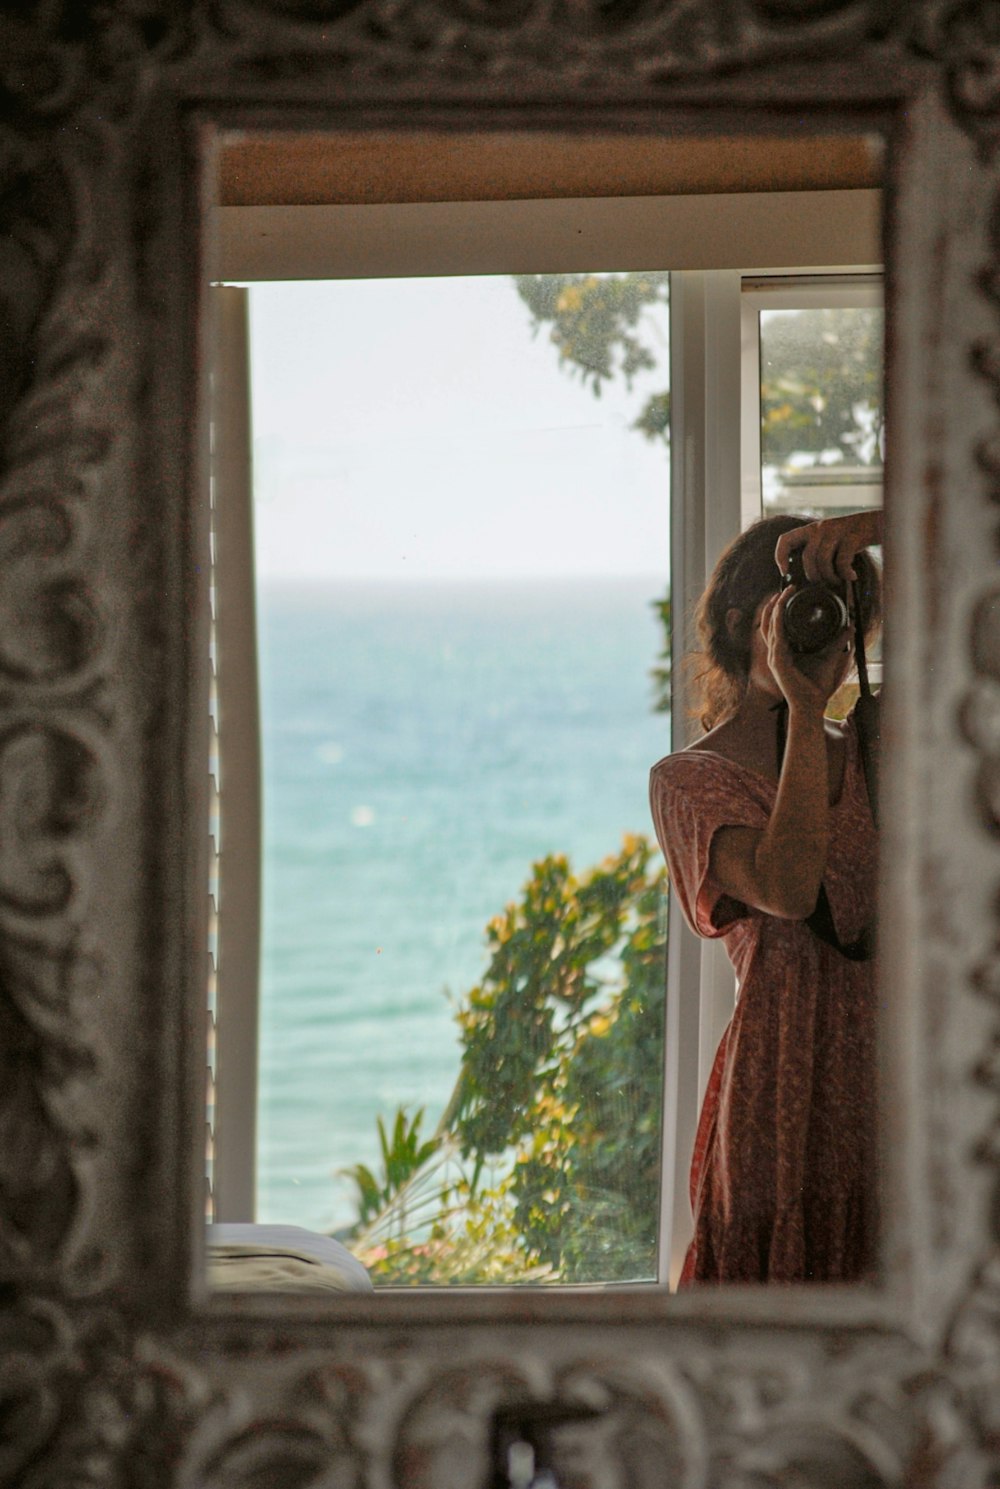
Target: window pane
461,564
822,409
822,422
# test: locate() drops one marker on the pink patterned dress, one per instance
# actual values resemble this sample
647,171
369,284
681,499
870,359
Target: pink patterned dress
782,1178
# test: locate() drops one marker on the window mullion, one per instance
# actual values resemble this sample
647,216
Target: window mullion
751,498
705,381
234,1169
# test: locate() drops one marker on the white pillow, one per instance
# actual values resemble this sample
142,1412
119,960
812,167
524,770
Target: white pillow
298,1241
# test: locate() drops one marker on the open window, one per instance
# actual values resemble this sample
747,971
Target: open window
813,404
778,405
701,502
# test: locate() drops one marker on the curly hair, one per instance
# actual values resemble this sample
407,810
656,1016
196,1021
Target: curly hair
742,579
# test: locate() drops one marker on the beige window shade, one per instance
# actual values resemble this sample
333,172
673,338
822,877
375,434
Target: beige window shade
327,168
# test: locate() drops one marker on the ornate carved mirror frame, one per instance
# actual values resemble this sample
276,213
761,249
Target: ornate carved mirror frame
114,1367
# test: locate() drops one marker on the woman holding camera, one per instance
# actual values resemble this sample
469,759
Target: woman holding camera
769,836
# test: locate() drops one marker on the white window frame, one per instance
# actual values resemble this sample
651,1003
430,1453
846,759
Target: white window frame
715,493
233,1138
850,290
694,237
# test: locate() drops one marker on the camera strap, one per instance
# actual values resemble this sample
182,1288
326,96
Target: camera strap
821,922
866,711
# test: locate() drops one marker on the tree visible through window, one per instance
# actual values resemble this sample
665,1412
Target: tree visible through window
822,408
460,586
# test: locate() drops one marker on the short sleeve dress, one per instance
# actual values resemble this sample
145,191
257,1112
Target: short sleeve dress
783,1172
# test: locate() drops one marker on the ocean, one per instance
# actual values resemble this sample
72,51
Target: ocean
423,745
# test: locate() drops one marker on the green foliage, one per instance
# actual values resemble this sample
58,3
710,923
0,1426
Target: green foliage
821,385
654,419
660,672
562,1062
472,1239
402,1156
605,326
821,382
594,323
546,1164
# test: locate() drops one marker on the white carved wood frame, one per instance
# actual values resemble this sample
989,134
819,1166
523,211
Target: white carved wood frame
114,1368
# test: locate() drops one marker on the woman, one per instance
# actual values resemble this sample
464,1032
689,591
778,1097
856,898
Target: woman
764,821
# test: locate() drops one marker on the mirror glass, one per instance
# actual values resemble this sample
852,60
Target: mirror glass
441,643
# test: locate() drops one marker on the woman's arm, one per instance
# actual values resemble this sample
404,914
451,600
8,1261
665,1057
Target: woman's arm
780,869
828,547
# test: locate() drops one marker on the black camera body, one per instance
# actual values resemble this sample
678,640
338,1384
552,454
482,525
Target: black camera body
816,614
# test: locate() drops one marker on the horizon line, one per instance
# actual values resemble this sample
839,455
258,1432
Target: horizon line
467,580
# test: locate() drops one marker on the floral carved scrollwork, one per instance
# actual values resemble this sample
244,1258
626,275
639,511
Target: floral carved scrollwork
84,1404
636,1425
52,642
90,1399
748,1418
568,46
76,1393
54,439
574,43
48,796
44,1133
48,624
86,1401
300,1438
980,714
34,1348
965,39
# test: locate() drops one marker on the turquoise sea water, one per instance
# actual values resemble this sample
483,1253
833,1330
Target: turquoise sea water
423,745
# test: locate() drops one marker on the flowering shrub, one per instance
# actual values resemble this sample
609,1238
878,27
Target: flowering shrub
546,1163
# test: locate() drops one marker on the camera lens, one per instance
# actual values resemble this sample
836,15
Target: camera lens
814,617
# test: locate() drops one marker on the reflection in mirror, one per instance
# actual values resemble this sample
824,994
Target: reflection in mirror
442,666
461,932
461,991
768,817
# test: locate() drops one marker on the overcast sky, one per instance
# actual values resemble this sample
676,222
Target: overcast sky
415,427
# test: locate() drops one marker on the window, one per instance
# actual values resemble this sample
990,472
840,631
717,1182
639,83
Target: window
748,359
458,621
813,405
705,370
813,417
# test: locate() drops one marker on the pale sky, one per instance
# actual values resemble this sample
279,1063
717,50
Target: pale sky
416,428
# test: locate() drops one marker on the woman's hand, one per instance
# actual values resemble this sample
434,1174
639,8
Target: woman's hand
807,682
780,869
828,547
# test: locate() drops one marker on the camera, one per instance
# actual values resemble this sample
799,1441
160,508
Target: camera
816,614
